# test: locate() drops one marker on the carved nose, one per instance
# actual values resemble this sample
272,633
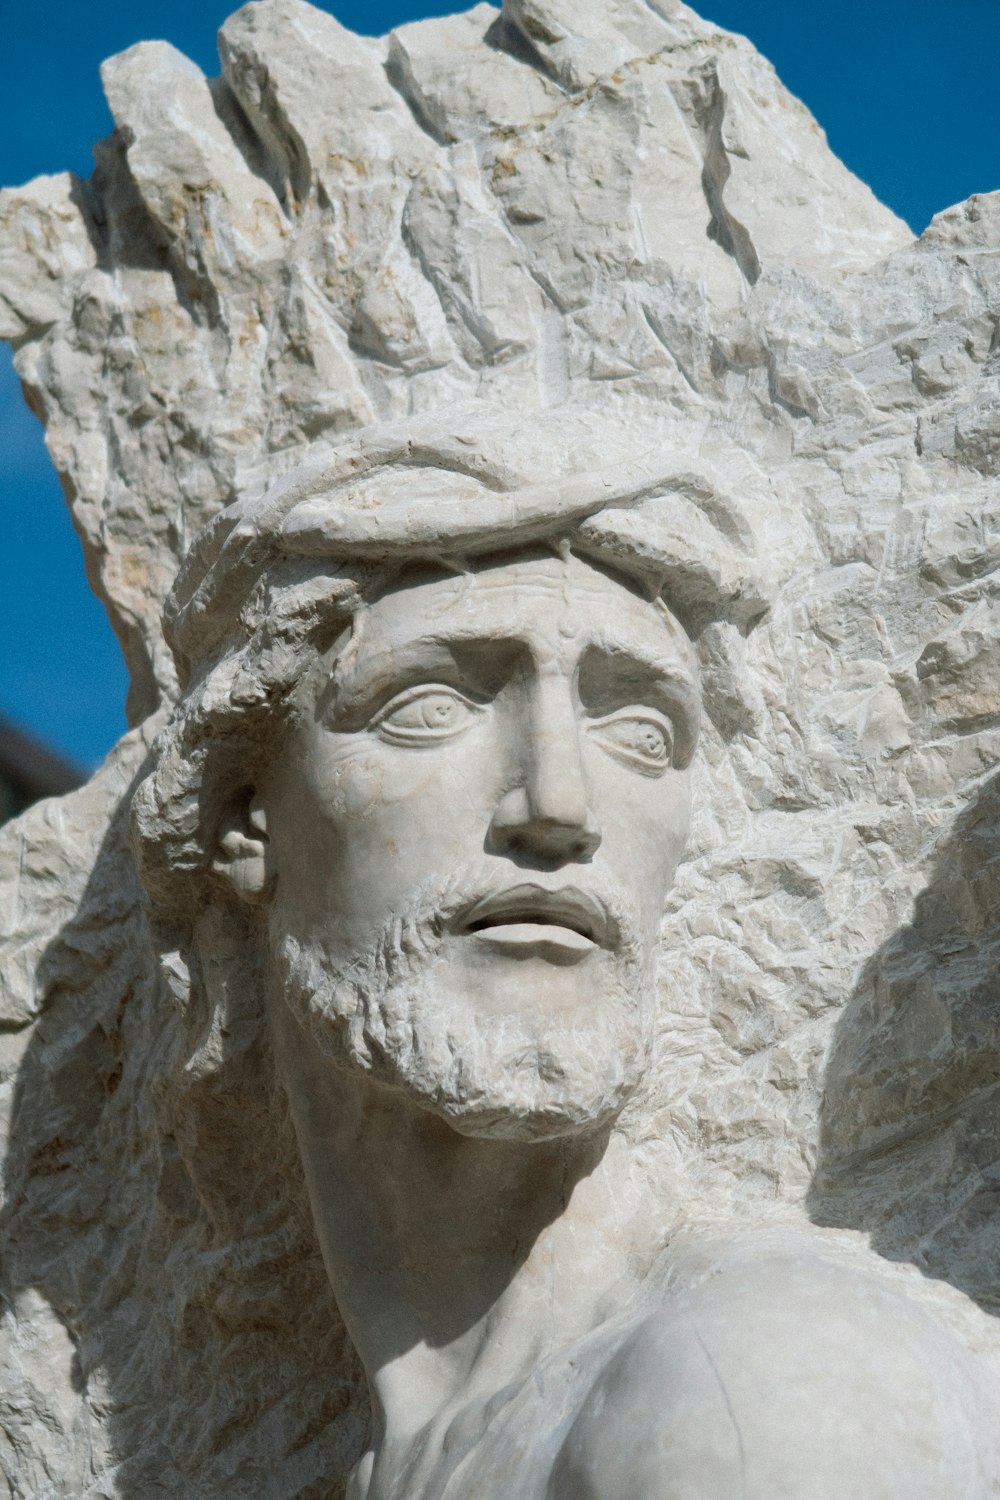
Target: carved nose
521,827
547,815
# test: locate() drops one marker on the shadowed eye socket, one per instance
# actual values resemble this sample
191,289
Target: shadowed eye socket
424,714
644,741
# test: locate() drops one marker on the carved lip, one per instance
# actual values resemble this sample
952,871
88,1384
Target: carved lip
527,906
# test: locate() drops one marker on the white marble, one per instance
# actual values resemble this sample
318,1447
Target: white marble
451,423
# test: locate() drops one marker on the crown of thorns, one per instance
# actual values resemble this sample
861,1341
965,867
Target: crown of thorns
402,493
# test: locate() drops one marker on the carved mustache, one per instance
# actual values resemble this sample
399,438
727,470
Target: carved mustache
476,896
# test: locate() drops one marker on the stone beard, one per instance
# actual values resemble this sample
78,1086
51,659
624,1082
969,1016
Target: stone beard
525,1074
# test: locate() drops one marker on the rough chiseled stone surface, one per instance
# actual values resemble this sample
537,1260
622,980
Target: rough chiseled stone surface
616,205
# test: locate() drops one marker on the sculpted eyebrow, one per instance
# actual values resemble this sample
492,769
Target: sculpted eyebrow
634,662
373,677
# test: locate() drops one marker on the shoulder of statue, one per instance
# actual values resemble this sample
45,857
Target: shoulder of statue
792,1371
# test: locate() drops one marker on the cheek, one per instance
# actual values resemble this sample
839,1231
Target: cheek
362,827
346,788
359,782
645,824
407,810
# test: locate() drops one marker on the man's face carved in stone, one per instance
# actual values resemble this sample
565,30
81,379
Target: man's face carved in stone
469,837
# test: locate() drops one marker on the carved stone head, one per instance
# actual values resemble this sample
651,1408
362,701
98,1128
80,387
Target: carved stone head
434,750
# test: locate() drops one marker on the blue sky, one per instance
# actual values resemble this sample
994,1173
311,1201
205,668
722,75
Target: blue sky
905,89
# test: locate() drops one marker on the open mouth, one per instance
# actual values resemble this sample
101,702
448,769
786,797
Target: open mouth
528,920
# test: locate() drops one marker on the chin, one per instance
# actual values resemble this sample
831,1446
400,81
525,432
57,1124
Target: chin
536,1119
523,1104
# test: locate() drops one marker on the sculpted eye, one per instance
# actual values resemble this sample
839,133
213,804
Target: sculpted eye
425,714
641,741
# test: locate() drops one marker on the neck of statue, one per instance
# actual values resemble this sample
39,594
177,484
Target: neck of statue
457,1263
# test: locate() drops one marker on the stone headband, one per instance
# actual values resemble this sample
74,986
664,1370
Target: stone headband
394,495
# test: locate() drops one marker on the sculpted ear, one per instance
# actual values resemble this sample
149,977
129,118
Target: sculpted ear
243,853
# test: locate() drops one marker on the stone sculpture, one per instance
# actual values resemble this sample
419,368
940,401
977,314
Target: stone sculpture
479,408
452,785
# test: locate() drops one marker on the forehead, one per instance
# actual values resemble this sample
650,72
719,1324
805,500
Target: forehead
525,597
